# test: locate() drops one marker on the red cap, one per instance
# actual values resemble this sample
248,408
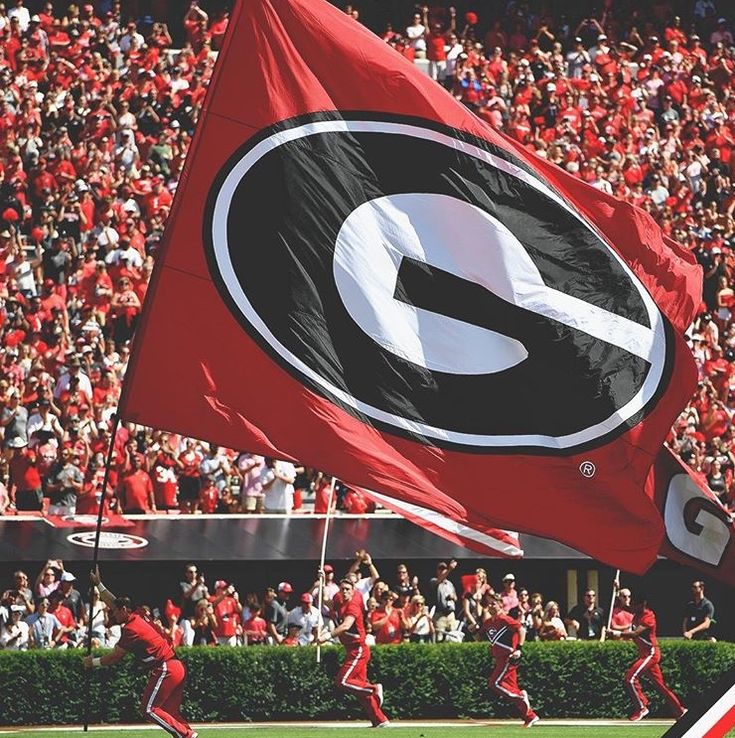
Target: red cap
328,568
307,598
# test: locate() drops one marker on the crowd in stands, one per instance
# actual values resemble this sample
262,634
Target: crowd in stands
96,116
52,613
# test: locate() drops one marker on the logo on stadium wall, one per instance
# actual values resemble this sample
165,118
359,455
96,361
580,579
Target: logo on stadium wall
108,540
432,285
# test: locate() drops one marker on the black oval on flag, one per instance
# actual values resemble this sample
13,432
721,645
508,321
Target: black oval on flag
434,286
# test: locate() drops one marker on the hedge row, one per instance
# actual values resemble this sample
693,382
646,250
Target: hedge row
567,679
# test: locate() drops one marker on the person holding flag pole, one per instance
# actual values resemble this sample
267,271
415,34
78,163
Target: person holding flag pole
643,633
161,700
352,676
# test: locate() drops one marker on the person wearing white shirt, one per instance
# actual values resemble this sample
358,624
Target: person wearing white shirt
307,618
20,12
43,420
416,34
74,371
15,634
130,35
125,252
277,478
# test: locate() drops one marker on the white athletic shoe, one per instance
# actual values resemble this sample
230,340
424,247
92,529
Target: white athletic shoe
638,715
530,722
194,734
384,724
379,694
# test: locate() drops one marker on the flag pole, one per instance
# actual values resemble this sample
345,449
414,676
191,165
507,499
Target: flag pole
321,567
615,590
95,560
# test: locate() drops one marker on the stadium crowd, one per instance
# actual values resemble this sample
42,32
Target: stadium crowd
52,613
96,116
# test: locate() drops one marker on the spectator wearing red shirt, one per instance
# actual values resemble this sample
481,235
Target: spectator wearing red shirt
208,495
255,628
387,620
137,489
622,617
25,481
218,29
66,635
228,611
189,479
164,466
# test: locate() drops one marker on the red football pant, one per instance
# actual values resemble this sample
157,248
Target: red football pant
504,681
648,665
161,701
352,678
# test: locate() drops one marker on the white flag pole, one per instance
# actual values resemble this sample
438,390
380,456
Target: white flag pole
615,589
321,568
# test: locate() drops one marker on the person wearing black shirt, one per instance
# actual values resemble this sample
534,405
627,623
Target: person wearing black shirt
699,615
587,618
72,598
276,612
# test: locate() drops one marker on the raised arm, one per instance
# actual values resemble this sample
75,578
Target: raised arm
105,595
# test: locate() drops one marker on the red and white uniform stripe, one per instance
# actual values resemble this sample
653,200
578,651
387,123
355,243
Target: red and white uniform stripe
352,675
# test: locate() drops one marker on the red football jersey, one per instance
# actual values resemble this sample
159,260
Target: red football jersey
142,640
355,636
646,642
502,632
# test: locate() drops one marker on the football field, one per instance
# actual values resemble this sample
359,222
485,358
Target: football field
475,729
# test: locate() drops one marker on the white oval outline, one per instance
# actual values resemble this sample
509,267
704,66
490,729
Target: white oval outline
76,539
220,247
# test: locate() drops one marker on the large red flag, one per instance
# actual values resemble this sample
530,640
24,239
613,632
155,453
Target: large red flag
699,529
360,274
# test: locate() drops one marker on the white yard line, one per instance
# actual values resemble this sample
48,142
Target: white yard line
345,724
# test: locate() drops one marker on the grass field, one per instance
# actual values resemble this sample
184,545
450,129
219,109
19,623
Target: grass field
549,729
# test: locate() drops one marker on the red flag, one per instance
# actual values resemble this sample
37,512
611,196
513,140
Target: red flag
490,542
699,529
360,274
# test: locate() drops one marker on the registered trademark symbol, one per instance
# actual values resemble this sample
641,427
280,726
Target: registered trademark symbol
587,469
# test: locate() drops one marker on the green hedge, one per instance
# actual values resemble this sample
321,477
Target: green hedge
566,679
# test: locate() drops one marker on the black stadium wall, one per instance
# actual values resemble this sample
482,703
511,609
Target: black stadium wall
146,559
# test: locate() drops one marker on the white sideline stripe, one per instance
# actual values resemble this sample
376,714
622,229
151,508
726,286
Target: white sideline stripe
713,715
356,724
